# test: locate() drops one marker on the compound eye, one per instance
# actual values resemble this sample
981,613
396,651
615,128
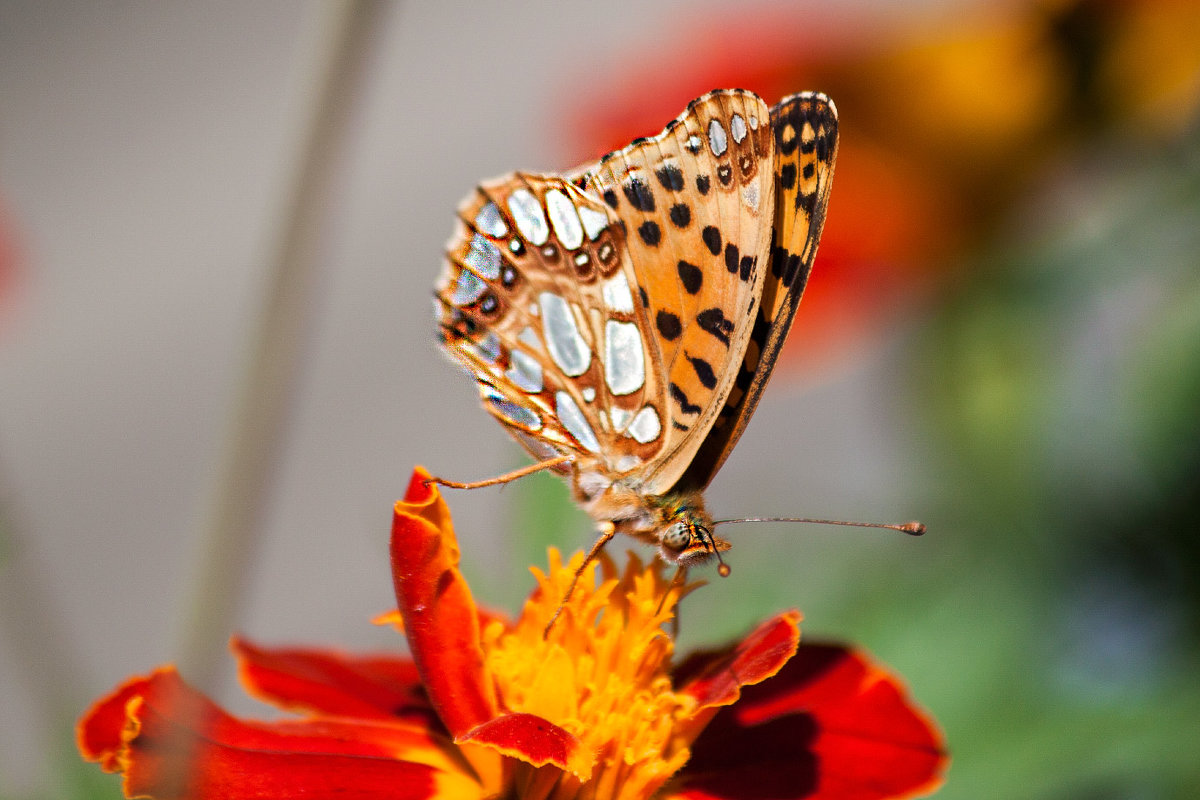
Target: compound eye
677,537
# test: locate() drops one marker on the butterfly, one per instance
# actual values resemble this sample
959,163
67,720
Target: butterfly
622,319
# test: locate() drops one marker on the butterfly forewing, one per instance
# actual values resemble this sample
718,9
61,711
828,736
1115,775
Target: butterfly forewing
697,202
805,131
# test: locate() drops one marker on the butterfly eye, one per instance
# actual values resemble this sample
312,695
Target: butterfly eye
676,537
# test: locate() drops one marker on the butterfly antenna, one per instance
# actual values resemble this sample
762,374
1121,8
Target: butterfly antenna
723,569
911,528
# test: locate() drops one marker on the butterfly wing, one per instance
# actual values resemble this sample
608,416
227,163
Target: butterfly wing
696,204
605,314
805,128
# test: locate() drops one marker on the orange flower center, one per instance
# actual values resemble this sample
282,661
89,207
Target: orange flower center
601,673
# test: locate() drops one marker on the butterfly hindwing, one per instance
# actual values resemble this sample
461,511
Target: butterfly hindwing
805,129
539,305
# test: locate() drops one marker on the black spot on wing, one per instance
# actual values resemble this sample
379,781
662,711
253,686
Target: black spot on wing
787,176
704,371
787,145
669,326
650,232
670,176
610,197
724,174
681,398
713,320
639,194
746,267
791,269
691,276
645,297
732,257
681,215
702,184
824,147
712,239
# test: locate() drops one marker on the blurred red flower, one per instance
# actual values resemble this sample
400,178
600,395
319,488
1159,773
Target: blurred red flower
945,121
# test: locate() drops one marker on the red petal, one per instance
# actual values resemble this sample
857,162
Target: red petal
757,658
171,742
535,740
440,618
98,732
830,725
327,682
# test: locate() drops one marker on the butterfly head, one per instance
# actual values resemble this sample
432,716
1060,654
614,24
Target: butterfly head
685,536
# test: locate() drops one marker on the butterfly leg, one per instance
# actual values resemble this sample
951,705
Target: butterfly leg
679,580
506,477
607,531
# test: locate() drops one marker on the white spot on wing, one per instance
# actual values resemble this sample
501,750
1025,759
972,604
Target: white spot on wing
527,213
750,196
574,421
716,138
594,221
628,462
564,219
489,348
737,127
616,293
567,347
646,426
589,394
529,338
517,414
624,364
483,258
490,222
620,418
524,371
468,289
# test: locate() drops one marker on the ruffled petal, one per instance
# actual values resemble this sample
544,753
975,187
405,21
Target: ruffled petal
313,681
716,679
440,618
172,742
831,725
535,741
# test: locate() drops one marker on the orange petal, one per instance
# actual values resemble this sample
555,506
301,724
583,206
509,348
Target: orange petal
717,681
534,740
172,742
440,618
328,682
830,726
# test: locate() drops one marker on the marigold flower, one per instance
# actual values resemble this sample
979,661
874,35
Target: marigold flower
596,708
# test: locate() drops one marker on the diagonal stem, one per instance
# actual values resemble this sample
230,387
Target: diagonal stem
229,538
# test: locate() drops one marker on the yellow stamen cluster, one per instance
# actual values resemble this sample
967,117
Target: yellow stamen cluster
600,673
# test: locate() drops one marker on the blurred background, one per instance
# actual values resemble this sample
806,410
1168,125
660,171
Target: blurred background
1001,338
